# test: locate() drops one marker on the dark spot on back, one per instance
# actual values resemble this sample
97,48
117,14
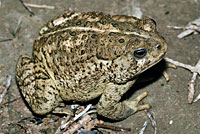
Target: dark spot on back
111,34
87,24
78,23
84,37
114,24
76,69
71,50
49,42
82,52
101,65
72,33
121,40
94,36
102,22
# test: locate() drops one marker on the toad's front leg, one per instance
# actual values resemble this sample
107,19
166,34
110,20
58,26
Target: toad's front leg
110,107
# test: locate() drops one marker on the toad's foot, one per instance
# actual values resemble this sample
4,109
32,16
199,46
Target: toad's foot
134,104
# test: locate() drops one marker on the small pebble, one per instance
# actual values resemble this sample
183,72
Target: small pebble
171,122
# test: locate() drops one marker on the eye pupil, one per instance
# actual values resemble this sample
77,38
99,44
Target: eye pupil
140,53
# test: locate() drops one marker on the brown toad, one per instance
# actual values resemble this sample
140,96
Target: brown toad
82,56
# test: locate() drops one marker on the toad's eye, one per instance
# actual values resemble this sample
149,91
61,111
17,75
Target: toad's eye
140,53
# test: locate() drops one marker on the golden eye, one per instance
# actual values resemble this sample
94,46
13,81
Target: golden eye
140,53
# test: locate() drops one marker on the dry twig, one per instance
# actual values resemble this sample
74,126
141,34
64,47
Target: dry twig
73,128
197,98
58,131
10,101
84,131
15,32
38,6
114,128
152,119
85,122
190,28
143,128
17,29
4,40
76,117
27,8
6,88
33,20
196,71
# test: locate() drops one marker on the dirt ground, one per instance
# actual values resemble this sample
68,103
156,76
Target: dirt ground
168,100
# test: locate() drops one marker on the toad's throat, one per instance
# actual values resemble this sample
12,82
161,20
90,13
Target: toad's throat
152,63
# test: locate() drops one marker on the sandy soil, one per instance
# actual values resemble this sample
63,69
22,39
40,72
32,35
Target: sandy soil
169,103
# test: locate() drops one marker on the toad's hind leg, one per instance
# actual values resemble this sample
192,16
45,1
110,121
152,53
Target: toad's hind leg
36,86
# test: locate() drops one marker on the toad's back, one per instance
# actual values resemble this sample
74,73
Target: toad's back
76,48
